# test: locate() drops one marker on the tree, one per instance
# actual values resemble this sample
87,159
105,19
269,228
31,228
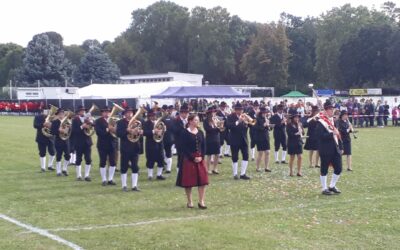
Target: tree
390,9
74,54
96,67
10,60
44,60
363,59
266,61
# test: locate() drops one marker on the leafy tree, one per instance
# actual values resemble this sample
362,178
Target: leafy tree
44,60
96,67
74,54
10,60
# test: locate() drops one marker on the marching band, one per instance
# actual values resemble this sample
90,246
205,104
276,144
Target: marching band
157,130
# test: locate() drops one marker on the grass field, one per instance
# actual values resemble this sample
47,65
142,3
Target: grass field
272,211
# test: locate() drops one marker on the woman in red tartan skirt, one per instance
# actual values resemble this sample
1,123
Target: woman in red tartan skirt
193,172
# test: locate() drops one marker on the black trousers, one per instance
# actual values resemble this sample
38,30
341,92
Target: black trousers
105,154
385,120
86,152
62,147
334,159
168,149
129,160
278,141
244,148
49,146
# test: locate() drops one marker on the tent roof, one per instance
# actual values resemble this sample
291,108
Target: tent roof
139,90
199,92
295,94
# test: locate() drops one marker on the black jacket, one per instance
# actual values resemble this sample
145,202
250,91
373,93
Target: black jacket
193,144
80,138
38,125
326,141
212,133
169,135
104,139
55,126
279,128
177,129
126,145
293,137
261,133
344,130
237,131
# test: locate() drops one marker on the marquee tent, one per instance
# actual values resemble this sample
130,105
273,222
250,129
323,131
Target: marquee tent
200,92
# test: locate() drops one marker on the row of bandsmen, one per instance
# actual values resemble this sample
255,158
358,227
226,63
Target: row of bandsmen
234,130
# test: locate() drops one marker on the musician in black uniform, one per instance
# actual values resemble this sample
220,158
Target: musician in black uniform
261,136
294,132
312,140
179,125
168,139
83,142
44,143
154,150
253,114
279,122
330,149
238,127
212,140
62,146
106,146
224,136
345,128
129,150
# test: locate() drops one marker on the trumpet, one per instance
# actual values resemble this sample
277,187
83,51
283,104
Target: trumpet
112,121
89,120
50,117
134,123
66,125
219,123
247,119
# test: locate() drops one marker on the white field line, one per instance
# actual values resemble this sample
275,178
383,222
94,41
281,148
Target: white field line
42,232
203,217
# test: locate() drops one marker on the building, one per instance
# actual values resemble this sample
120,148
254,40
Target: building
194,79
43,93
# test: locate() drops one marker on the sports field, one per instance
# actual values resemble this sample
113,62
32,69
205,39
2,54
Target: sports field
271,211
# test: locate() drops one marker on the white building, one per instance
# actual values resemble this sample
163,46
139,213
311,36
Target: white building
194,79
43,93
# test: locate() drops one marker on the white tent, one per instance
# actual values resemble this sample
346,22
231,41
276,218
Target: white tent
120,91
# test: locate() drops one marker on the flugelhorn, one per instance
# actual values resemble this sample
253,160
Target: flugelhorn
247,119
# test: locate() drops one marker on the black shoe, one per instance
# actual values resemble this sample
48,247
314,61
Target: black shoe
161,178
299,175
124,189
51,169
258,170
116,170
104,183
64,173
167,172
349,169
317,166
201,206
326,192
150,178
268,170
42,170
244,177
334,190
88,179
189,206
112,183
135,189
283,162
252,159
79,179
236,177
276,162
227,155
59,174
215,172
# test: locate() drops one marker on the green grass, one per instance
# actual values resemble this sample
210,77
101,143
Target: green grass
272,211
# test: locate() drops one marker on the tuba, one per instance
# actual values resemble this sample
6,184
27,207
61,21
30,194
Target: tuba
66,124
160,125
248,120
112,121
89,120
135,123
50,116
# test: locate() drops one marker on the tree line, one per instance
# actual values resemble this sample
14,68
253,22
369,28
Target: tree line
345,47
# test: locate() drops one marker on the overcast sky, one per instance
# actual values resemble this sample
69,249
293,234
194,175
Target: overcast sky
78,20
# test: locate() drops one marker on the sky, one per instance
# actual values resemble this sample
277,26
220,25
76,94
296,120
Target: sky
78,20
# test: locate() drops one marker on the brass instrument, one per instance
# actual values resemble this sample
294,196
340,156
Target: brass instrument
112,121
160,125
66,124
135,123
219,123
89,120
50,116
247,119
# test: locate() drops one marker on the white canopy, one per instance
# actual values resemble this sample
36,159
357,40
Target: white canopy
116,91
